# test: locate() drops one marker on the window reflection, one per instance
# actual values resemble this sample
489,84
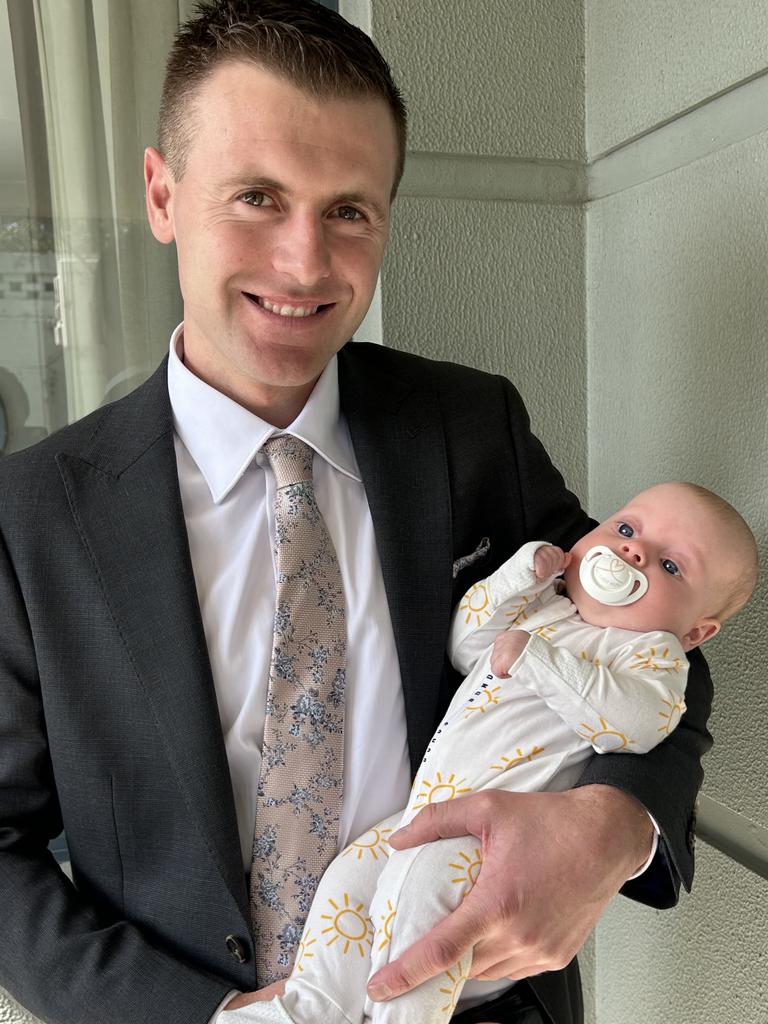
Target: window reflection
87,298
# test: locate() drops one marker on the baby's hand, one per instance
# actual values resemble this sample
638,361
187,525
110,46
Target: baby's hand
550,561
507,648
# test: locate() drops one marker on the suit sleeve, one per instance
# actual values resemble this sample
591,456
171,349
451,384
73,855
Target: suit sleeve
667,779
62,958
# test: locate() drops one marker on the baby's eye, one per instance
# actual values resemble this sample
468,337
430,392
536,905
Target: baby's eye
669,566
626,530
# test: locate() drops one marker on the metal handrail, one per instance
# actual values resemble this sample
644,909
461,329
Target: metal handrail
733,834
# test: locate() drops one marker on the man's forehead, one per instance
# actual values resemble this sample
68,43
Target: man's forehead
243,105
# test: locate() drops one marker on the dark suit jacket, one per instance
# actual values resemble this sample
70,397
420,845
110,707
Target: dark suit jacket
108,717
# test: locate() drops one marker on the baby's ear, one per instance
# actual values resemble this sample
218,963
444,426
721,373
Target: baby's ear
701,632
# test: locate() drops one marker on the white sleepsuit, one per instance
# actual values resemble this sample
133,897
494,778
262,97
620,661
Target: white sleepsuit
575,688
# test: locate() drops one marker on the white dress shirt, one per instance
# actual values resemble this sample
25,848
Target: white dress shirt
228,500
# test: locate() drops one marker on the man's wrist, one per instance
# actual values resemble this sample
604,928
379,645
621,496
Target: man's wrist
634,843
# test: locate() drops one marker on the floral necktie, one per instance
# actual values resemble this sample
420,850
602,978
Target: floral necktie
300,783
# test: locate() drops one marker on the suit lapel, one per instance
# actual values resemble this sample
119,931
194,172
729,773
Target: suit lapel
125,498
398,438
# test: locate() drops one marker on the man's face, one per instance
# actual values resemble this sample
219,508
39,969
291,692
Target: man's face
678,544
280,221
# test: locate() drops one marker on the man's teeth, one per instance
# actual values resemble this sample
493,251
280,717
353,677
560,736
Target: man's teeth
286,310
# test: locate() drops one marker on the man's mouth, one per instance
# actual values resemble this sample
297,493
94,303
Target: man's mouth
284,309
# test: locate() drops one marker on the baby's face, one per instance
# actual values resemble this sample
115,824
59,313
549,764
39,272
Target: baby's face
676,542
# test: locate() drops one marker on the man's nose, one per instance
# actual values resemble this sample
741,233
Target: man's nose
632,551
301,251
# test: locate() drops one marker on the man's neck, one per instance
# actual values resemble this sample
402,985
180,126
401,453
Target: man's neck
278,406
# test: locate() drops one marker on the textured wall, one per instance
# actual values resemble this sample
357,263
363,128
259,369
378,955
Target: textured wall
678,381
648,61
705,961
499,286
12,1013
488,77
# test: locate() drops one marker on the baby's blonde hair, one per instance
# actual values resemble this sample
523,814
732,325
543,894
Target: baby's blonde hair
738,588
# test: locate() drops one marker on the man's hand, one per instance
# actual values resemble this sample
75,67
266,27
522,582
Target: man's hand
550,561
277,988
507,648
551,864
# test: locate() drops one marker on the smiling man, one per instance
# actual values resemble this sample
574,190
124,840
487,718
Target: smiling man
165,695
280,221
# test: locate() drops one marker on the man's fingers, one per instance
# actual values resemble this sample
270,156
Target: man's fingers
440,949
446,820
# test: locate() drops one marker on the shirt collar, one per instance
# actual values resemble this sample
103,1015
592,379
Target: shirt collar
223,437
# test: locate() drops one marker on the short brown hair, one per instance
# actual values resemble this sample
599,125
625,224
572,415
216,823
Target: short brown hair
300,40
740,584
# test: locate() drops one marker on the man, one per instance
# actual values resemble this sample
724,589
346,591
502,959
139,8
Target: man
137,588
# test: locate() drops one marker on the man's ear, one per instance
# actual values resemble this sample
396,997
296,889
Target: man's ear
702,631
158,182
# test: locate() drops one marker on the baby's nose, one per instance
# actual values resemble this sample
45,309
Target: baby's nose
633,553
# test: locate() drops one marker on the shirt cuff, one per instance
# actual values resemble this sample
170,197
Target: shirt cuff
654,848
230,995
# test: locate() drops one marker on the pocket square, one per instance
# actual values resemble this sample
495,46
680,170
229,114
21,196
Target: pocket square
480,551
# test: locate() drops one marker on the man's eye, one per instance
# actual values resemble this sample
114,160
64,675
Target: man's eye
256,199
669,566
626,530
348,213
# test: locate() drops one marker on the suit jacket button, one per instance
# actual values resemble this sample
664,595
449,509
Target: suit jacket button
238,950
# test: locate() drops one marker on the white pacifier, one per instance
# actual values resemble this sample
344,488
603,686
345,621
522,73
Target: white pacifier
609,579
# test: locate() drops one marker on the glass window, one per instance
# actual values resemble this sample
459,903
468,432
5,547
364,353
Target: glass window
87,297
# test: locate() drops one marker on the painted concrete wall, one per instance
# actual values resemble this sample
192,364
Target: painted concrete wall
648,61
488,77
494,282
678,382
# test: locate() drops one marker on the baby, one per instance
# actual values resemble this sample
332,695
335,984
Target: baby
603,669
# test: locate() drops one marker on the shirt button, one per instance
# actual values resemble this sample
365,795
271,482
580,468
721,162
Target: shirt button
238,950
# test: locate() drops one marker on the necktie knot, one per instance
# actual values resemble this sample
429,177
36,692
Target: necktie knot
290,459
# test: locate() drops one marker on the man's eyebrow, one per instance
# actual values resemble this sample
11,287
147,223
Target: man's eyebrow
252,181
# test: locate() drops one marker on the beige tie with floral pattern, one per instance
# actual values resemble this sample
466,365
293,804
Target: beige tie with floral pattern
300,782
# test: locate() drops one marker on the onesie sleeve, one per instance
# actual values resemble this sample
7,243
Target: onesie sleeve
627,705
493,605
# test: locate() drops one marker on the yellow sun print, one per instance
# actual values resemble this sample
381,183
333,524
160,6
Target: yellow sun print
654,660
476,602
304,952
675,707
488,698
386,925
374,842
456,976
518,612
442,789
520,759
546,632
606,738
468,870
348,924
